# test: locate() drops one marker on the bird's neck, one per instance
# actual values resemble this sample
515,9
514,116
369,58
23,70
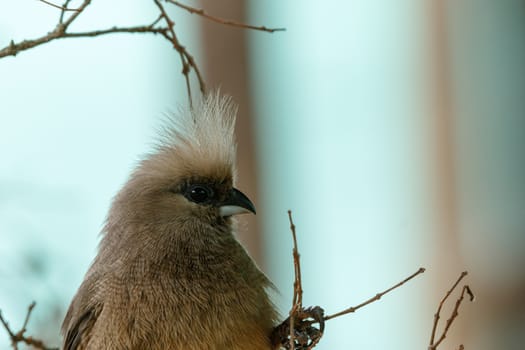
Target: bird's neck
181,249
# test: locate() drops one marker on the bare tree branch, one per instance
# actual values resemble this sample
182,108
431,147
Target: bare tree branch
466,289
63,8
202,13
13,49
304,327
19,336
167,31
63,12
375,297
59,32
187,60
297,299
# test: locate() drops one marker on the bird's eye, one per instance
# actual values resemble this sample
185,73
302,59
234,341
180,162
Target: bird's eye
199,193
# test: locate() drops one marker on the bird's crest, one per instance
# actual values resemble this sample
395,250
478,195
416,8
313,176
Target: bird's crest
200,139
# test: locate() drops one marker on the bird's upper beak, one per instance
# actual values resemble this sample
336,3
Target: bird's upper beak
236,203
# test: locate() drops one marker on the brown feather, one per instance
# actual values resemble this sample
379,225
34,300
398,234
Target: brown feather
170,273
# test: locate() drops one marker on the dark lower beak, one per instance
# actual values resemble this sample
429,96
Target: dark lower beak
236,203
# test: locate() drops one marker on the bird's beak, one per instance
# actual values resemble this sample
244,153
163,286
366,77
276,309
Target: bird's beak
236,203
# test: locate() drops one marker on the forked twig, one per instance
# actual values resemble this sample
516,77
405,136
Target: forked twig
299,330
19,336
63,8
167,31
433,345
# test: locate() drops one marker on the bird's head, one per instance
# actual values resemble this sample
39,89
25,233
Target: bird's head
190,175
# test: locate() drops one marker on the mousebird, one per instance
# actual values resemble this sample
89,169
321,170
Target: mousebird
169,273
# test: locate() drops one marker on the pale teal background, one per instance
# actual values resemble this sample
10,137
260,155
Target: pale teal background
343,132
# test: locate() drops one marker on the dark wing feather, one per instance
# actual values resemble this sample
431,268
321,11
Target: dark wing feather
79,332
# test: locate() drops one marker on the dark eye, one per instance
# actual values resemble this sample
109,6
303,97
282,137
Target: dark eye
199,193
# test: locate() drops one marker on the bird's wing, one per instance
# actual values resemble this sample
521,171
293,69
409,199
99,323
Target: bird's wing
80,330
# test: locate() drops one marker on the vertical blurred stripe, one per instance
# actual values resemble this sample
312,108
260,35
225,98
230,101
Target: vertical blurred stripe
489,84
342,128
447,262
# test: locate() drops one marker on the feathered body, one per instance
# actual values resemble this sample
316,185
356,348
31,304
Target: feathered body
169,273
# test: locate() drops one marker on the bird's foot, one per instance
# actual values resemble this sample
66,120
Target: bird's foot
308,324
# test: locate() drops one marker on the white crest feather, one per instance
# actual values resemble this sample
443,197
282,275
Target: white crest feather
205,131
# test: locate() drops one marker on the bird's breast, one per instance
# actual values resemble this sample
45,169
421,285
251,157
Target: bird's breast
196,300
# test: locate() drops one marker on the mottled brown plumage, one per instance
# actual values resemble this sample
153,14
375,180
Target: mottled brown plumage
169,273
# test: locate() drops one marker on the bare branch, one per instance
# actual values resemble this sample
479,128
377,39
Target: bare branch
168,32
187,60
6,326
202,13
63,8
297,300
440,306
63,12
298,288
74,15
304,327
466,289
14,48
59,32
19,336
376,297
28,315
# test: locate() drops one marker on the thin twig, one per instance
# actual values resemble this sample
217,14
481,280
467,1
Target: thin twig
6,326
113,30
156,21
59,31
168,32
304,327
187,60
298,287
63,12
303,321
28,314
440,306
454,314
19,337
297,299
63,8
14,48
374,298
75,14
202,13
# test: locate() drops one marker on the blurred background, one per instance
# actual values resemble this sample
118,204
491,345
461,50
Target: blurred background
393,130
